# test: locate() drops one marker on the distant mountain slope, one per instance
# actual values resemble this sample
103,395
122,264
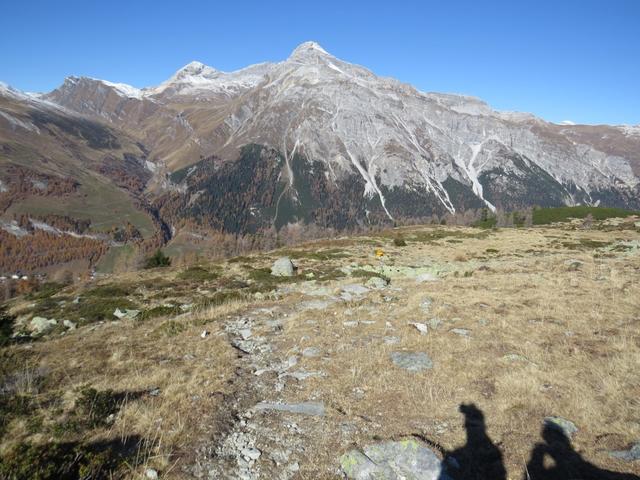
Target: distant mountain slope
317,139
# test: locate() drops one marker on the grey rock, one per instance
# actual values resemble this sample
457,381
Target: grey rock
41,325
125,313
630,455
311,352
407,459
412,361
316,304
349,292
376,283
302,408
283,267
421,327
425,305
435,323
251,453
574,265
564,426
69,324
151,474
463,332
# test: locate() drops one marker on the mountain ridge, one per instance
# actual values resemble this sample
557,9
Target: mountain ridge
317,140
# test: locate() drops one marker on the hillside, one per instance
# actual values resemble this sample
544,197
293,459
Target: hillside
475,347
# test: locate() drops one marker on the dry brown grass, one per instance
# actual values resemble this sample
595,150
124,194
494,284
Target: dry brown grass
576,333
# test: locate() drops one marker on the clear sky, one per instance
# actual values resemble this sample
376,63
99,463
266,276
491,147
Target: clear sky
575,60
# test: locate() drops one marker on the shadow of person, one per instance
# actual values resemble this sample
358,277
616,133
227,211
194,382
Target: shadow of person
479,458
564,463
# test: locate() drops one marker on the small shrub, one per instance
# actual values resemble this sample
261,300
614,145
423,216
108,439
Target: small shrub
171,328
157,260
6,327
159,311
399,242
90,310
108,291
220,298
362,273
492,250
197,274
95,406
545,216
46,290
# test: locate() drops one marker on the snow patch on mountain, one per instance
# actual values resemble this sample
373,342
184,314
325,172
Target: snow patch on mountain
125,90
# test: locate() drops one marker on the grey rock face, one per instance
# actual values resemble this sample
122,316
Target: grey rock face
412,361
303,408
407,459
283,267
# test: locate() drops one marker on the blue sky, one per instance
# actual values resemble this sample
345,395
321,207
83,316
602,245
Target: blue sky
562,60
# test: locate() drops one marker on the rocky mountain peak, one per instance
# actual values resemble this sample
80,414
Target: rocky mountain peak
308,51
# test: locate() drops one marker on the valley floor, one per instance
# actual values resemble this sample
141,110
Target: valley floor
229,372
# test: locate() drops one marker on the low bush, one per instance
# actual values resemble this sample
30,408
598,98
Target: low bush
157,260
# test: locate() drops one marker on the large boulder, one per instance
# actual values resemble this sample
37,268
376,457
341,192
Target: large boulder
407,459
283,267
41,325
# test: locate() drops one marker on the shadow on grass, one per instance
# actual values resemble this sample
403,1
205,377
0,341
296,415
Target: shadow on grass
552,459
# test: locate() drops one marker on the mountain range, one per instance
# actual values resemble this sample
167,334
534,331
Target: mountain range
311,139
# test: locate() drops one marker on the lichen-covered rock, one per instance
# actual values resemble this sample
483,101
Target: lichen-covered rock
407,459
283,267
41,325
562,425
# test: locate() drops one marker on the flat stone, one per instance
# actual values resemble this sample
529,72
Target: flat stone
376,283
421,327
283,267
311,352
630,455
412,361
407,459
303,408
426,277
316,304
564,426
390,340
574,265
355,289
463,332
245,333
125,313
